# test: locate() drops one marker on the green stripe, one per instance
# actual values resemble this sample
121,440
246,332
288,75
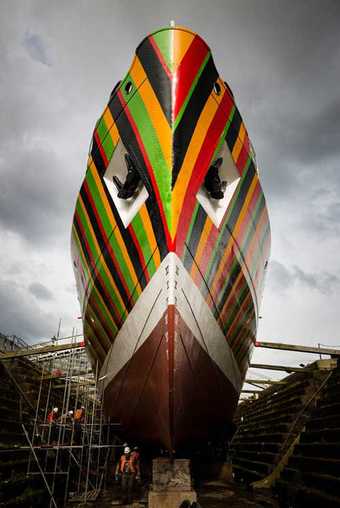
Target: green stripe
154,152
163,41
143,240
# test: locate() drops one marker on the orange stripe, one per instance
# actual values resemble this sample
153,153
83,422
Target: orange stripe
100,261
112,220
238,225
157,116
195,274
190,158
150,234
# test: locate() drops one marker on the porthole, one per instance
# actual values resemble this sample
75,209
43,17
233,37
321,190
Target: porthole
217,88
128,87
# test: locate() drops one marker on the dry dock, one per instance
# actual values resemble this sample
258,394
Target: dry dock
286,448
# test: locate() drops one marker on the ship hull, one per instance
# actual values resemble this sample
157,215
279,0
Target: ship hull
170,280
170,377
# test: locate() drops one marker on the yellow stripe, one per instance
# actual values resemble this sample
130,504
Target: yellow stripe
116,233
136,72
99,297
201,246
100,330
181,41
239,143
150,234
111,127
100,259
224,310
190,158
156,114
235,231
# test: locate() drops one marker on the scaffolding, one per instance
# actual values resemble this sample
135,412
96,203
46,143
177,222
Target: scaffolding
74,457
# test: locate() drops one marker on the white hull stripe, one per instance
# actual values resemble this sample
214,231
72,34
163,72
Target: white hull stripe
171,285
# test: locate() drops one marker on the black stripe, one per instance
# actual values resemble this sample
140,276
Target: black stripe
104,250
223,241
94,272
97,158
195,237
233,130
115,107
130,142
157,76
186,127
235,271
129,243
245,183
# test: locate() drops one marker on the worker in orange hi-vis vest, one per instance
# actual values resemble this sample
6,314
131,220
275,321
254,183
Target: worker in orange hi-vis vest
127,470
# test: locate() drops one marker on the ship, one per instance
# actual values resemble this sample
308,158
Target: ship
170,245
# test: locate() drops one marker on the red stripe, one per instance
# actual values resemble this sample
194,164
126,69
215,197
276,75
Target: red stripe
208,249
150,171
139,250
227,263
242,159
101,149
106,241
101,318
96,274
160,57
201,167
187,71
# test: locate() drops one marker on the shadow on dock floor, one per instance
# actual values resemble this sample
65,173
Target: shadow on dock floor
210,495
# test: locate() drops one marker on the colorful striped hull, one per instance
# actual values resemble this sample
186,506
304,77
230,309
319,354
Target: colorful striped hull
170,281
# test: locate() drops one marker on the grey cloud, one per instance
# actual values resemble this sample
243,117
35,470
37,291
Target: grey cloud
40,291
36,48
37,197
282,60
20,315
282,279
279,277
323,282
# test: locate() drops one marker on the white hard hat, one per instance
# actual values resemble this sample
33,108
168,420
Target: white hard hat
55,409
127,449
70,412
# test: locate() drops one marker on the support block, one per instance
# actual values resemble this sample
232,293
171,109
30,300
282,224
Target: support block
171,483
170,499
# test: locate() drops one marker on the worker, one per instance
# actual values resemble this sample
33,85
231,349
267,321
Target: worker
78,419
127,471
53,415
52,418
79,414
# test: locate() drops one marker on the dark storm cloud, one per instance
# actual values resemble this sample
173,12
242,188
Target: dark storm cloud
282,60
36,197
283,279
40,291
20,315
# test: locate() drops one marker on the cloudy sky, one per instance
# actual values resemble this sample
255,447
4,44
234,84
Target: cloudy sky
59,62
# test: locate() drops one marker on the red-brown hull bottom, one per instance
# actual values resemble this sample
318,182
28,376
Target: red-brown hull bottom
171,393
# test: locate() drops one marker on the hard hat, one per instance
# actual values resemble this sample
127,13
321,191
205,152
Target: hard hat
127,449
136,448
70,412
55,409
